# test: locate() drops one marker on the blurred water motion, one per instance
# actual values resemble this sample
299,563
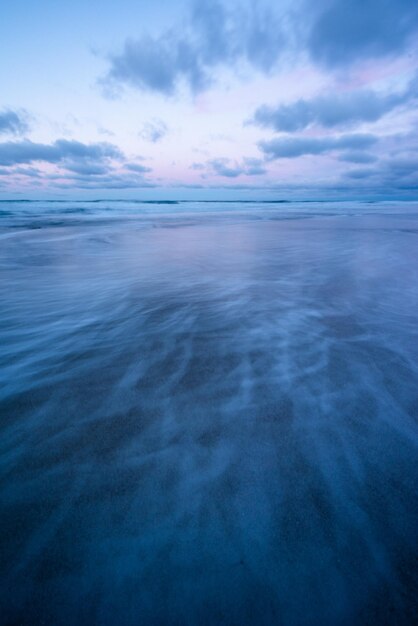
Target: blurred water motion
208,413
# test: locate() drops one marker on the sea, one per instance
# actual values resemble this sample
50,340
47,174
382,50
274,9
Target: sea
208,413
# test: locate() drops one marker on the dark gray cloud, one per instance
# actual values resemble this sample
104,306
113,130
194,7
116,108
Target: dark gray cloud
217,35
254,167
223,167
358,157
245,31
293,147
402,171
156,64
345,31
15,152
88,168
78,165
110,181
390,178
361,173
137,167
13,122
248,167
403,166
26,171
333,110
393,175
82,177
396,171
154,131
197,166
327,111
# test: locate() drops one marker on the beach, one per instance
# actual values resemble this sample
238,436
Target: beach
208,413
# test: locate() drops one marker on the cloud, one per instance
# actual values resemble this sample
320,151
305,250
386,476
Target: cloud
328,112
197,166
293,147
215,37
110,181
361,173
154,131
402,171
358,157
254,167
105,131
393,177
15,152
223,168
24,171
252,33
88,169
156,65
77,165
218,34
334,110
136,167
404,166
345,32
84,178
13,122
249,167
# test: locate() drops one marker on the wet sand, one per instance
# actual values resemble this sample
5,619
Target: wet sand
209,415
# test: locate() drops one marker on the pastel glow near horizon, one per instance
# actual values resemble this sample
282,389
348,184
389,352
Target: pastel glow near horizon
209,99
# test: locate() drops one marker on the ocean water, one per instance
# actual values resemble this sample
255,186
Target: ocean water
208,413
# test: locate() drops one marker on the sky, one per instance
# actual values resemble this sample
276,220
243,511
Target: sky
209,99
